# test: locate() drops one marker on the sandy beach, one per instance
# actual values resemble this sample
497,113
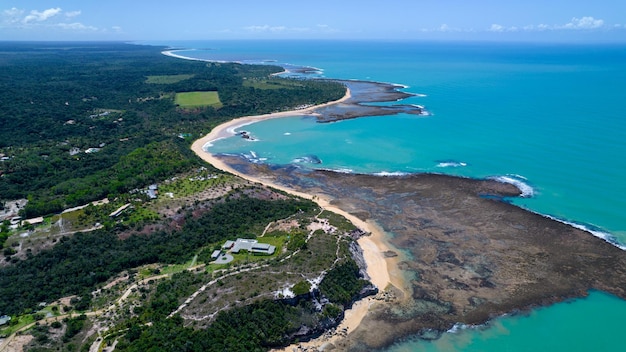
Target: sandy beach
373,246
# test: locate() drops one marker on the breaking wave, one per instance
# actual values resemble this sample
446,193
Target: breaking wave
517,181
451,163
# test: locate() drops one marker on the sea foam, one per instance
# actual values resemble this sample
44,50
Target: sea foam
517,181
595,232
451,163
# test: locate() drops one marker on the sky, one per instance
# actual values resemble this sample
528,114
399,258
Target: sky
137,20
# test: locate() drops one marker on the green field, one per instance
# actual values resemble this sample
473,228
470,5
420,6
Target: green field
272,84
167,79
198,99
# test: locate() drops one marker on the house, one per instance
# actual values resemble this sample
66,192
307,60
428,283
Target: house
252,246
4,319
228,245
34,221
216,254
119,210
152,191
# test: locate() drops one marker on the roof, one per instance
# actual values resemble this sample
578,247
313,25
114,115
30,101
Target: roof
252,246
4,319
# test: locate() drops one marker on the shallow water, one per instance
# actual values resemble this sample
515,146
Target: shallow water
590,324
549,116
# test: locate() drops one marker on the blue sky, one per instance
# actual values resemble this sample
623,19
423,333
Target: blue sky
535,20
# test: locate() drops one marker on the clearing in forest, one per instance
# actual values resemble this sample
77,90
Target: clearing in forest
167,79
198,99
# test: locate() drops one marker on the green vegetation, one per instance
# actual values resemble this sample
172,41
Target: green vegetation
342,284
101,120
74,326
273,83
167,79
77,264
255,327
301,288
338,221
5,232
198,99
60,102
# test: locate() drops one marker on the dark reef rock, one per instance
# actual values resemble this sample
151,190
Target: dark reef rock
470,258
364,92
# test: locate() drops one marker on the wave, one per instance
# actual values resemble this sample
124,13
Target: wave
252,157
597,232
339,170
451,163
460,327
387,173
517,181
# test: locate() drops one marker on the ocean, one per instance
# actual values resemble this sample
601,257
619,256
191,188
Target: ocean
548,117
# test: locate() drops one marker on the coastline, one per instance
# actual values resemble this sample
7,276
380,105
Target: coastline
373,246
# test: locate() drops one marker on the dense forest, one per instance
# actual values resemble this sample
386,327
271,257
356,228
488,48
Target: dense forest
81,121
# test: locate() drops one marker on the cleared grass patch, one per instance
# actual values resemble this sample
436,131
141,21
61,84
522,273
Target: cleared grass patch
271,84
167,79
198,99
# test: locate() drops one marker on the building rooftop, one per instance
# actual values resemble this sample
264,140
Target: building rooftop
249,245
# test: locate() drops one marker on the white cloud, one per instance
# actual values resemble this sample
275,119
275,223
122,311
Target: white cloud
71,14
266,28
321,28
117,29
496,28
543,27
41,16
326,28
13,12
76,26
583,23
11,17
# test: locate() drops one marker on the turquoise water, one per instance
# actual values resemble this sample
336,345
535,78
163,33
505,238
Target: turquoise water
591,324
549,116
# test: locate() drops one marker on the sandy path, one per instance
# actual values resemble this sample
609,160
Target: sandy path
373,246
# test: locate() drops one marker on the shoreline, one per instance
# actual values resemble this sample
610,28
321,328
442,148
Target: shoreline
373,246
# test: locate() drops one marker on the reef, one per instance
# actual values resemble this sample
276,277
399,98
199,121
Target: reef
467,255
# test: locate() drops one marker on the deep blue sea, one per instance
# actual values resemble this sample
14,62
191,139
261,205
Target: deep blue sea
550,117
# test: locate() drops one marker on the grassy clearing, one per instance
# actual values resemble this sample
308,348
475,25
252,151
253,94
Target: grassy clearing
198,99
271,84
190,185
177,268
167,79
338,221
16,324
